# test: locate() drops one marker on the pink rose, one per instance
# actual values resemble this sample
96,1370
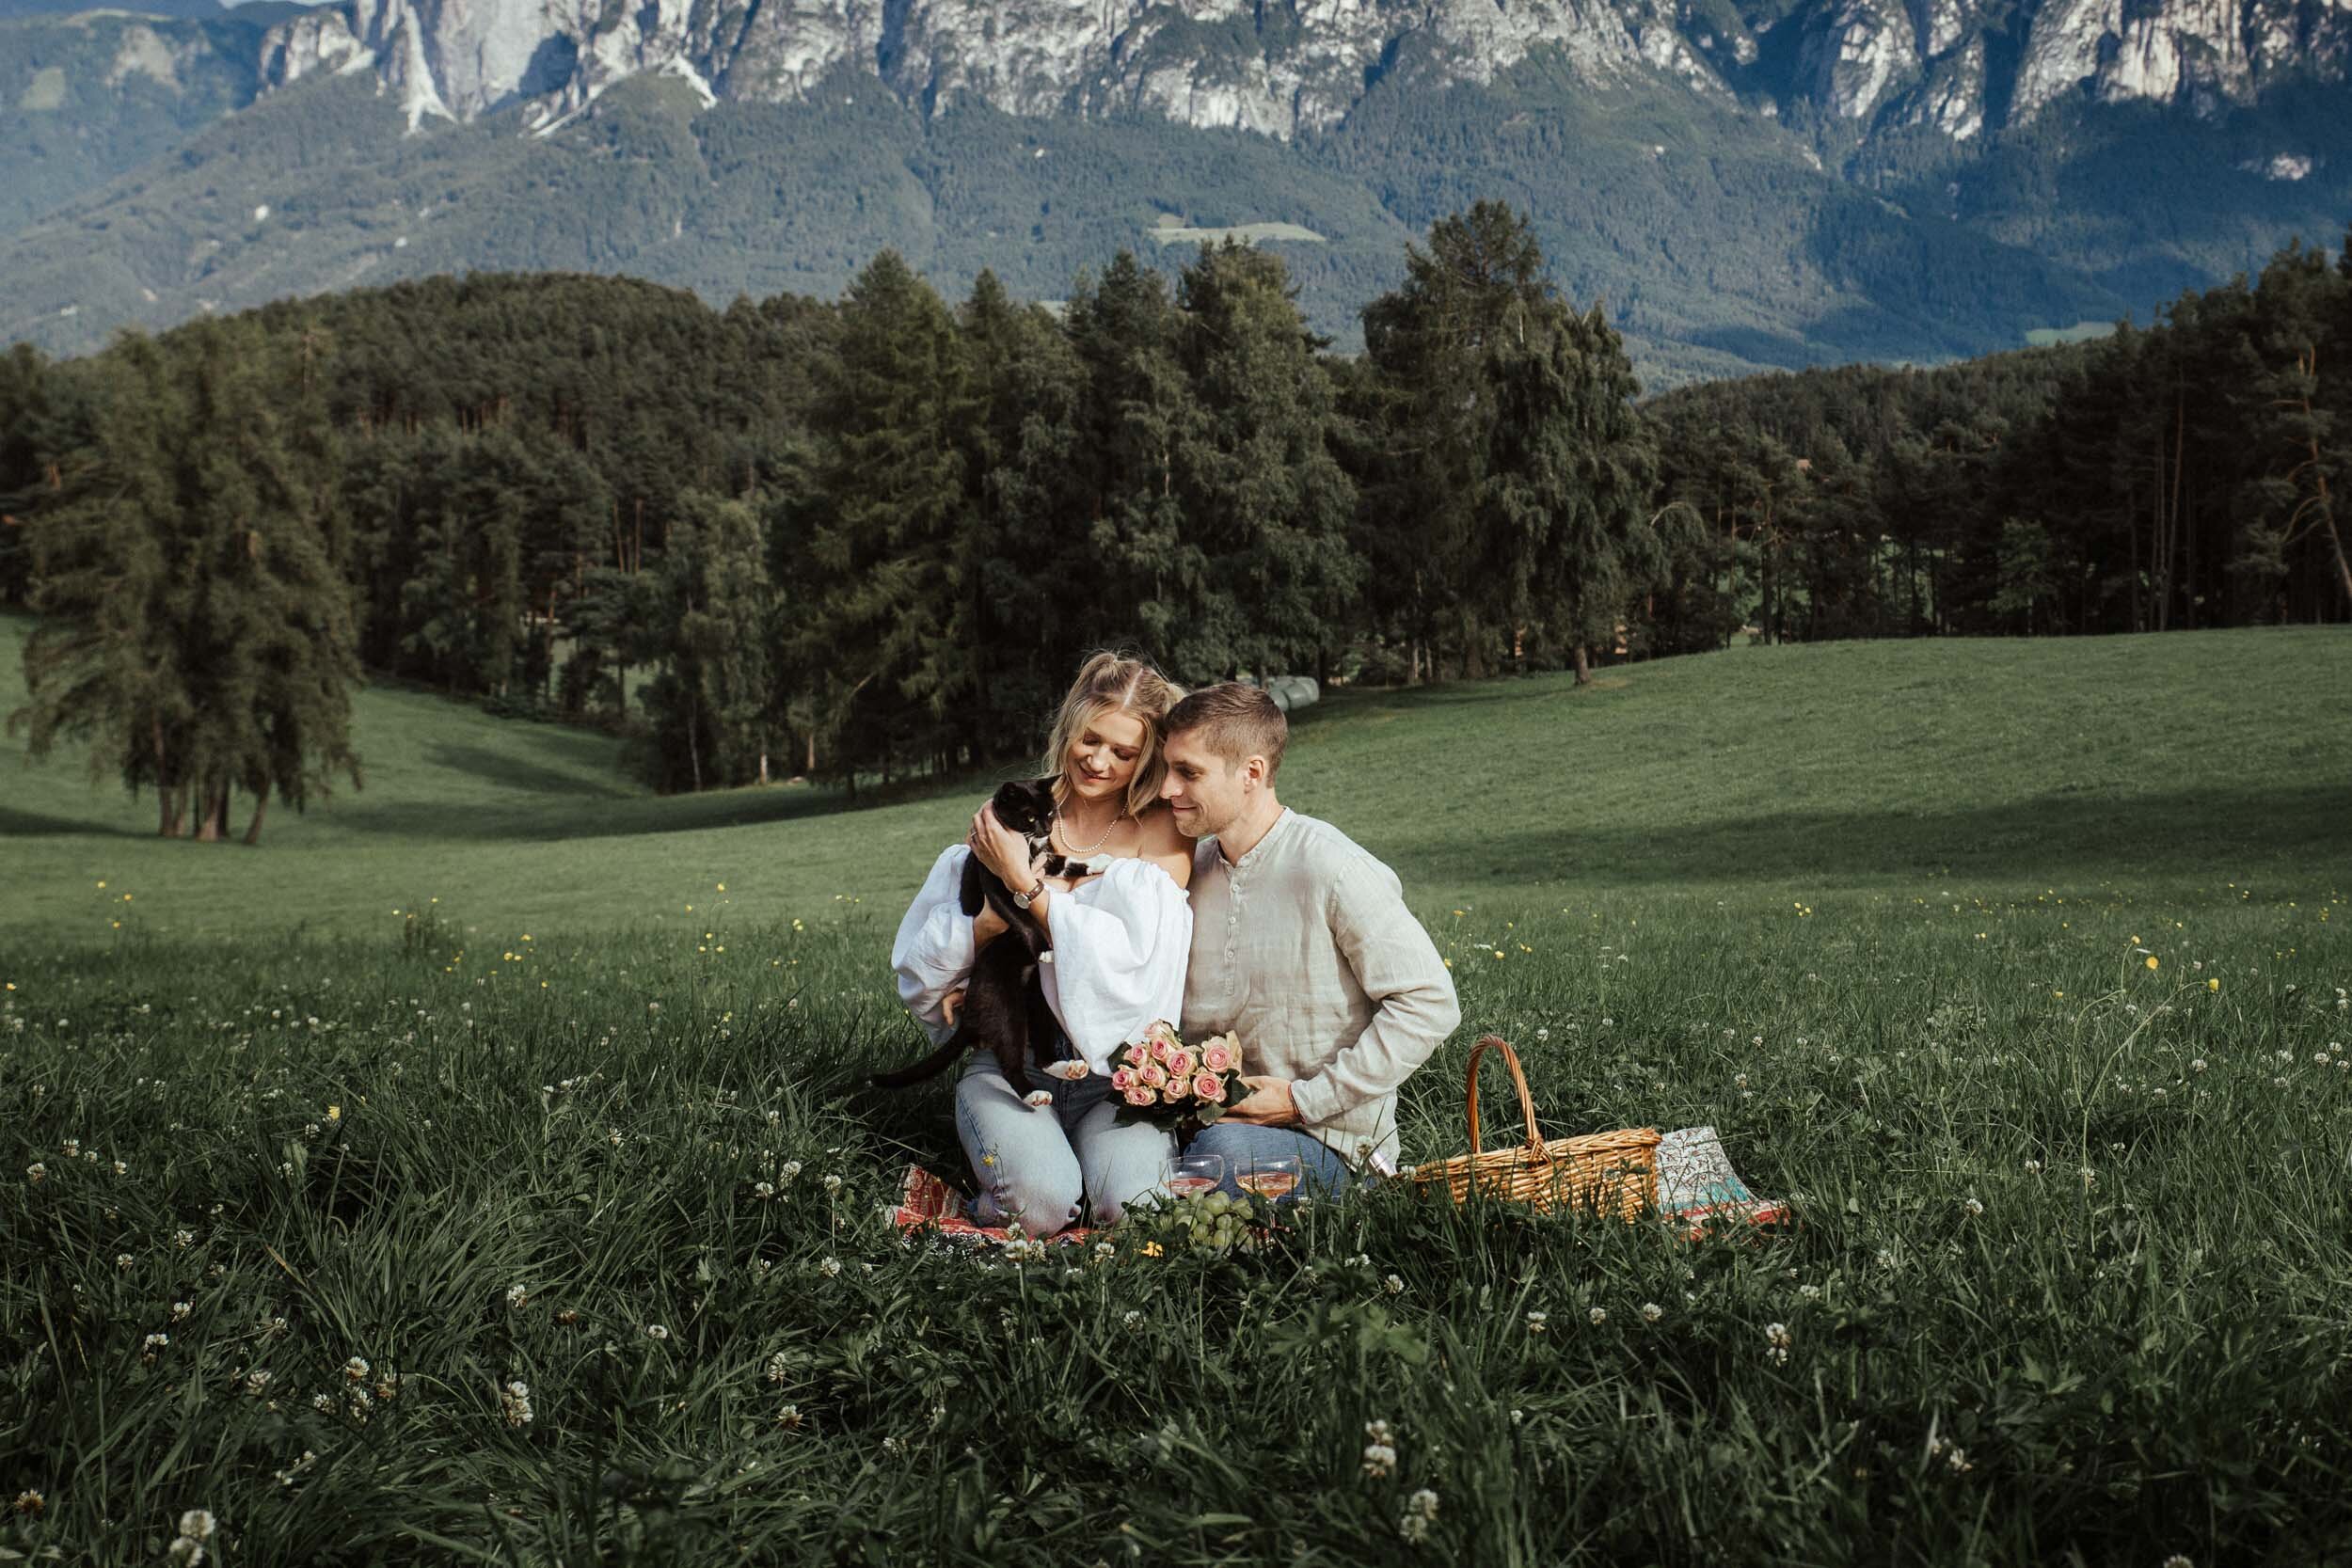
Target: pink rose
1136,1055
1162,1033
1209,1086
1138,1095
1161,1050
1173,1097
1216,1058
1153,1077
1123,1079
1180,1063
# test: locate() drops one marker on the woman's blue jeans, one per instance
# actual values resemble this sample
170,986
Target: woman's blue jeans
1036,1166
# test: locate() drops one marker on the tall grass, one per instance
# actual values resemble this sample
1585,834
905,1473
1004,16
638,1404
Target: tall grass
2067,1278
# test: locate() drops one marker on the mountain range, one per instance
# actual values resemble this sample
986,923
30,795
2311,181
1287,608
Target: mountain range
1743,183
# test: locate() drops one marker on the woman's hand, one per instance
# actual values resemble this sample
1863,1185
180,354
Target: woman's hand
1004,851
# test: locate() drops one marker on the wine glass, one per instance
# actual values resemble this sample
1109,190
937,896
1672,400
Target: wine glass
1196,1174
1271,1176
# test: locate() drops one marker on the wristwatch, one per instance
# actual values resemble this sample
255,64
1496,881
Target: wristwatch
1022,899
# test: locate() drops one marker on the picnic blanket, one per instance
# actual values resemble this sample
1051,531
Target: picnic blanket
926,1200
1696,1188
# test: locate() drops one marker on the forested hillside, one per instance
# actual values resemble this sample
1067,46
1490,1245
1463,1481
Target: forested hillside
870,537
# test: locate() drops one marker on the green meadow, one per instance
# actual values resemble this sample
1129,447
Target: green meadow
540,1221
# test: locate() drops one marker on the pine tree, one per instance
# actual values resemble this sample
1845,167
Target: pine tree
1266,503
874,649
711,703
196,618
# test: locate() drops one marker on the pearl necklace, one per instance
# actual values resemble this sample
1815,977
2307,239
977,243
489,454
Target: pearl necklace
1073,853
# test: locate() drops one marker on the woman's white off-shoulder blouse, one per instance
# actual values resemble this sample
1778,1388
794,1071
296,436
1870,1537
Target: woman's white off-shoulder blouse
1120,942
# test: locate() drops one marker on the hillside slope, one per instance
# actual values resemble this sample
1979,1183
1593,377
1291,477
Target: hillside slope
1852,770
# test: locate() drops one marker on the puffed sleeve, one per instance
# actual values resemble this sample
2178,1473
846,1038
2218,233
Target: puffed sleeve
1120,951
934,950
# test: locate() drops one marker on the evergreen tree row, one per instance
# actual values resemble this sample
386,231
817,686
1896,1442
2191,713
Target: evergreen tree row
872,537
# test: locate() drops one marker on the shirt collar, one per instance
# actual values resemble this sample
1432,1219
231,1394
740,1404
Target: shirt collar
1259,848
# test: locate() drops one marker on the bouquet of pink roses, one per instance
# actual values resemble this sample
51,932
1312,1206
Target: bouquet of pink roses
1162,1078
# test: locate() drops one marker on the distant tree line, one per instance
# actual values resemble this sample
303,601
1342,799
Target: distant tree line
870,537
2190,474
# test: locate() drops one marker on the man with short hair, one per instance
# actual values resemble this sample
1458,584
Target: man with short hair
1301,944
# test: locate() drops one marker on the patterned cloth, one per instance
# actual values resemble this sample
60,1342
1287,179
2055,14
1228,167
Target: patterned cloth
1697,1186
926,1201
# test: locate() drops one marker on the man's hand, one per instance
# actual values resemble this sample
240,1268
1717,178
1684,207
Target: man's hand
1266,1105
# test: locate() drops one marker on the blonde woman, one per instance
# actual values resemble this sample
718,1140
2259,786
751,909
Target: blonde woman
1120,937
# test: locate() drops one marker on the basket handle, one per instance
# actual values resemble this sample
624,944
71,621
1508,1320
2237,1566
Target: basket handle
1518,1081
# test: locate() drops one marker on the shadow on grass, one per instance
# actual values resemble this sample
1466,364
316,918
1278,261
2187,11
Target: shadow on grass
2219,832
30,824
582,768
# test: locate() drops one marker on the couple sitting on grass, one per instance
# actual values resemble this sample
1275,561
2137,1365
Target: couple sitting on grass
1210,900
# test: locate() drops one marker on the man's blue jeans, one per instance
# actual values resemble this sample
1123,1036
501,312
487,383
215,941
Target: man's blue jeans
1244,1144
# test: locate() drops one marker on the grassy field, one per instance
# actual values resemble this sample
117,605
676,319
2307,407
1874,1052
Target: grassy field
2013,966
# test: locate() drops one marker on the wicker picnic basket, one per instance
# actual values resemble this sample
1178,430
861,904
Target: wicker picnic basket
1602,1173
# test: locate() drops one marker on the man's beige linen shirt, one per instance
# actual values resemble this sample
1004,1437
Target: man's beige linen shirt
1305,949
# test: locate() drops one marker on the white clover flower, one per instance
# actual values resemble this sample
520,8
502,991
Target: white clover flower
1421,1512
763,1191
257,1382
2178,1559
179,1310
1810,1292
197,1522
832,1184
518,1297
1651,1311
123,1260
786,1171
154,1342
1776,1339
515,1404
1973,1204
71,1149
1598,1316
121,1169
778,1367
829,1267
1537,1321
1958,1461
36,1172
1393,1285
31,1502
183,1239
790,1418
1379,1460
322,1403
355,1370
656,1332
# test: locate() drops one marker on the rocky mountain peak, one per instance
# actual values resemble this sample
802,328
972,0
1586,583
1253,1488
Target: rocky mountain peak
1282,69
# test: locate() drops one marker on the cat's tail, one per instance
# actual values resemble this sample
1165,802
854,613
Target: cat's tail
929,1067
